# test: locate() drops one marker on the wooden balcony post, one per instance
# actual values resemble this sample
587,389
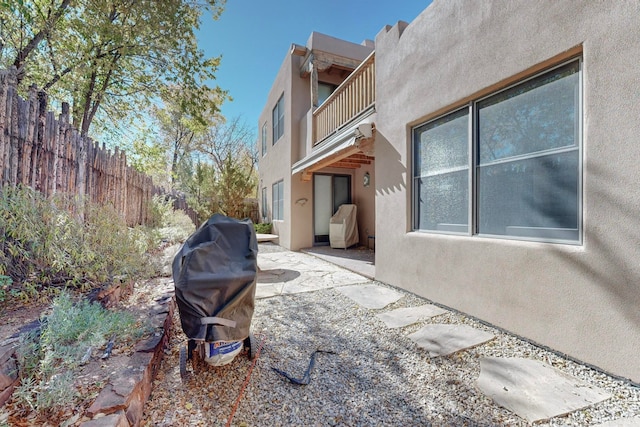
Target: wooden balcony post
314,81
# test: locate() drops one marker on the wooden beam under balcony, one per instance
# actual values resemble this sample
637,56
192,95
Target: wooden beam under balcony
328,161
346,164
322,61
362,157
357,161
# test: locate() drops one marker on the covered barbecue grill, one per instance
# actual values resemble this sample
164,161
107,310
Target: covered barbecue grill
215,283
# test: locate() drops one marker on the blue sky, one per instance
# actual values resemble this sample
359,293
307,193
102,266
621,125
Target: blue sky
253,37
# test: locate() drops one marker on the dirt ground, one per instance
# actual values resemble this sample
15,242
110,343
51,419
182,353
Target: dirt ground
16,317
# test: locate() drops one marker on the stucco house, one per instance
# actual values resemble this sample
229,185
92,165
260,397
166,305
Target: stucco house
311,152
500,142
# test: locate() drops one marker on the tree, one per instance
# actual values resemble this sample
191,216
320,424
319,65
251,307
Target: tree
231,148
149,157
111,56
43,19
179,127
199,187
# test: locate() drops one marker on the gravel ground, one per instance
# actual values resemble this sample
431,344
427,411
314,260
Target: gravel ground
375,375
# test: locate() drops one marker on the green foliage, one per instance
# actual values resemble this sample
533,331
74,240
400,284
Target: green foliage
148,156
44,247
236,181
49,358
54,394
161,209
171,226
111,249
263,228
72,327
223,174
200,188
36,241
179,129
111,58
5,281
29,353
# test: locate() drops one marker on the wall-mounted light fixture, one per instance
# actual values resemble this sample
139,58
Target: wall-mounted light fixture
302,201
366,179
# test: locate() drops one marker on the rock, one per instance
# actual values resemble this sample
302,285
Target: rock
118,419
8,373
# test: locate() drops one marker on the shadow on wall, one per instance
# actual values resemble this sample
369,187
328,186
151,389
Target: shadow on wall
617,274
391,175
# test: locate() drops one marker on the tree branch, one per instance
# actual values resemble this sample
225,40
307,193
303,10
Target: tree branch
23,54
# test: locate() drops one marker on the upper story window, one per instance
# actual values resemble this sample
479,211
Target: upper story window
324,91
522,179
278,119
264,138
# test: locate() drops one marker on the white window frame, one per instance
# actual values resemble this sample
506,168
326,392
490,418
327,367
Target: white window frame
277,200
277,116
474,164
265,207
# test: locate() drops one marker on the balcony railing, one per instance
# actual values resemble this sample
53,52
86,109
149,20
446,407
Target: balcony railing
356,94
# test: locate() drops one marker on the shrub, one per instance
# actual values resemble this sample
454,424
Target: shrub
49,358
45,247
177,227
263,228
5,281
161,207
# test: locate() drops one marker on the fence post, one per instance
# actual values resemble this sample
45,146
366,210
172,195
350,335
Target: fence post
4,138
39,159
12,115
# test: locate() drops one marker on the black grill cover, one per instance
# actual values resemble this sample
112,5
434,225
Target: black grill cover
215,275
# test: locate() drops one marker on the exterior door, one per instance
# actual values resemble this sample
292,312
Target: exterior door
329,192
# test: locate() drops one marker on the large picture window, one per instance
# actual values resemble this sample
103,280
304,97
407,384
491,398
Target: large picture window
277,196
278,119
525,142
441,173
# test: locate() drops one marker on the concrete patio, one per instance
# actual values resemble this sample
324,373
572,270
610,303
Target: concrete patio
358,259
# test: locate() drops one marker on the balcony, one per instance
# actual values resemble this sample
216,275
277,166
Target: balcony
354,96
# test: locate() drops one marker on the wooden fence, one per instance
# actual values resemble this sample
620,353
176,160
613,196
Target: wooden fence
50,156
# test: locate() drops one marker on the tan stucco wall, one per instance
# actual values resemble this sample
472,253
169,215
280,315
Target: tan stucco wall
276,164
582,300
326,43
364,198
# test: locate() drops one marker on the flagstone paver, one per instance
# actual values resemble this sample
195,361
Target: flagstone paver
406,316
442,340
371,296
293,272
534,390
